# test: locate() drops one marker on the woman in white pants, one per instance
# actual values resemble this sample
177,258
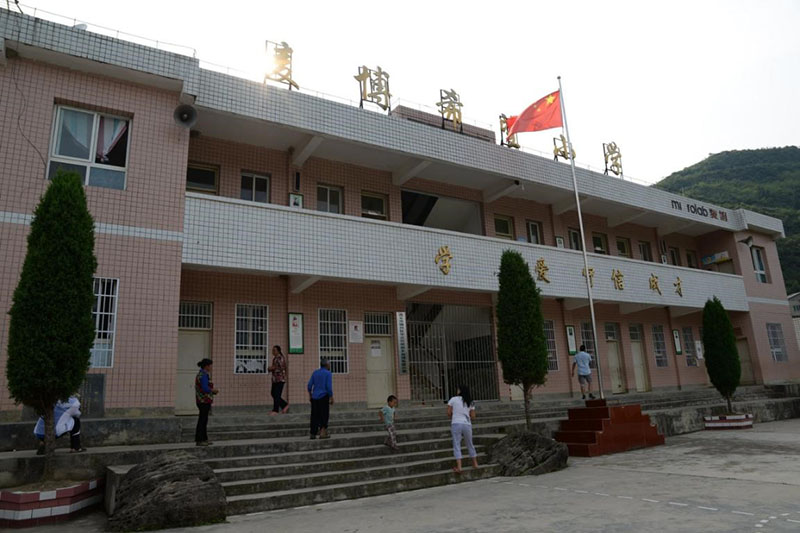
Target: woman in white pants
461,410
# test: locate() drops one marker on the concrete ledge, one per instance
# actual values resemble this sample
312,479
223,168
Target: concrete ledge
27,509
688,420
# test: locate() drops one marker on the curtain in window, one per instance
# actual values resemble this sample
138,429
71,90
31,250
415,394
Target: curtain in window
109,134
76,133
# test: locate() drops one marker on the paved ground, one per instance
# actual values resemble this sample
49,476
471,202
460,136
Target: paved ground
707,481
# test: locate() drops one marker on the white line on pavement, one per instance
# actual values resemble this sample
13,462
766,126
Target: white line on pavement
625,497
743,512
649,500
603,494
582,491
707,508
559,488
793,521
679,504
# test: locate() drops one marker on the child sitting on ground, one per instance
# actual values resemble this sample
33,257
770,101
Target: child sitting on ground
386,415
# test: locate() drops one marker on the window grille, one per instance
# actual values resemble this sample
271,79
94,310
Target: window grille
777,346
660,346
550,337
333,339
378,324
195,315
105,322
587,339
636,332
252,339
688,347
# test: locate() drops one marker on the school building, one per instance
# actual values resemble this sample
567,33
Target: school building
367,238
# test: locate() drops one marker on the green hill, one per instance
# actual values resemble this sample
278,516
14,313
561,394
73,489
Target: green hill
766,180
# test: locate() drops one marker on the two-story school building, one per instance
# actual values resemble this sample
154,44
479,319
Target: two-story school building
369,239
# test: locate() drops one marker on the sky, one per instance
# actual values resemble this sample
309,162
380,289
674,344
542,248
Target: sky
669,82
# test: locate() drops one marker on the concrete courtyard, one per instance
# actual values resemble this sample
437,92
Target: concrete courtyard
708,481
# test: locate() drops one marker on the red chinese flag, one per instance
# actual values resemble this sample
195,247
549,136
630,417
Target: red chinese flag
540,115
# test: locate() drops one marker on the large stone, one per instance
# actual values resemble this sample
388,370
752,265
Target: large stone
526,453
174,489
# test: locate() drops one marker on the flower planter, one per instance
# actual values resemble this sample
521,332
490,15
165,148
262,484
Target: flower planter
27,509
729,422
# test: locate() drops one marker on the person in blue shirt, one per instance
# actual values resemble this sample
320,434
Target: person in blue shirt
320,394
582,361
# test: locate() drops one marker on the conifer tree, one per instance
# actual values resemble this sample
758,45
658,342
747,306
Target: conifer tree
51,329
521,343
719,343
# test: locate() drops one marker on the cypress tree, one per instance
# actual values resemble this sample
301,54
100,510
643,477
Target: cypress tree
722,360
521,343
51,329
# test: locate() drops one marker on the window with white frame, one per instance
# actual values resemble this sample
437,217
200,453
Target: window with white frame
333,339
201,178
503,227
329,199
777,345
251,350
104,313
645,252
587,339
575,242
378,324
373,206
550,338
759,264
255,188
534,232
688,347
195,315
660,346
94,145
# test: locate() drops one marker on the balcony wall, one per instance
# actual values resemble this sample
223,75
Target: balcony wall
232,234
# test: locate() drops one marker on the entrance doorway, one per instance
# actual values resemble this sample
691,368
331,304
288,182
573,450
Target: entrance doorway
449,345
615,365
748,378
194,344
380,370
639,358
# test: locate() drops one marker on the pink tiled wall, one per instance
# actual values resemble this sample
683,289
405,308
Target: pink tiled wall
148,269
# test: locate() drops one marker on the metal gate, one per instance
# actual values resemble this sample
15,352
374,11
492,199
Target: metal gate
448,346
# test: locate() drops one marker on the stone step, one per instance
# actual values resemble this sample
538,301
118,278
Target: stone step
249,503
321,479
254,471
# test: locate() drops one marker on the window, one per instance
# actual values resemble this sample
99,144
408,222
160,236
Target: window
255,188
645,252
252,342
373,206
194,315
688,347
600,243
574,239
660,346
329,199
623,247
759,265
550,338
333,339
92,144
674,256
587,339
504,227
691,259
796,308
201,178
777,346
104,313
636,332
535,232
378,324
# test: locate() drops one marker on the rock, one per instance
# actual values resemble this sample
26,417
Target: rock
174,489
527,453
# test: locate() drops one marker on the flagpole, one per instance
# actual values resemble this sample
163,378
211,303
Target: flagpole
583,242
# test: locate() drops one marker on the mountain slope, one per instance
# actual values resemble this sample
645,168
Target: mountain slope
765,180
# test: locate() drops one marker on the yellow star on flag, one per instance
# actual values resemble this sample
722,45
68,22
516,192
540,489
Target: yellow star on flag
550,99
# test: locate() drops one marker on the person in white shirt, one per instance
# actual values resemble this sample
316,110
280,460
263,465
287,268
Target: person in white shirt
461,410
582,361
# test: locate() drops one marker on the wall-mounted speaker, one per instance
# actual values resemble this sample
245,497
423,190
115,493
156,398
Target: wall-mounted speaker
185,116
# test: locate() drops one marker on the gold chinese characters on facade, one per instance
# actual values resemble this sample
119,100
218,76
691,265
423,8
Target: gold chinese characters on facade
450,105
560,148
374,87
679,287
281,64
613,158
654,283
618,278
443,259
541,270
591,276
505,138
